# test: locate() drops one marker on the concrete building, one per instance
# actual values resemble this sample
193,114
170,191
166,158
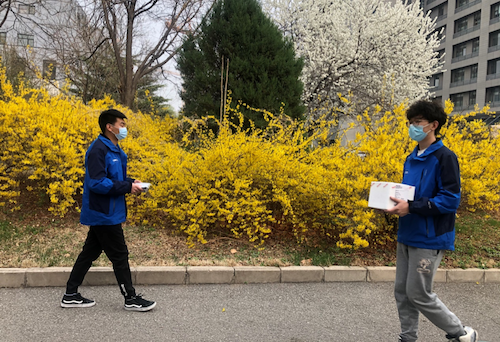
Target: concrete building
37,32
470,48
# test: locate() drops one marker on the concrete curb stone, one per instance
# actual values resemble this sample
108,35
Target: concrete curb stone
492,275
50,276
210,275
256,274
302,274
470,275
381,273
345,273
12,277
184,275
440,276
160,275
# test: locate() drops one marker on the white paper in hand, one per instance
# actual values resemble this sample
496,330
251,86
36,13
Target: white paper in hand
380,193
144,186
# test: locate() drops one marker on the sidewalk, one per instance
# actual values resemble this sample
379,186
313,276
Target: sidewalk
185,275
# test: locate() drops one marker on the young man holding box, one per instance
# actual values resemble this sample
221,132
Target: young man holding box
426,226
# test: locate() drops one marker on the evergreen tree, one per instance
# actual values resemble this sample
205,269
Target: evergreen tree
263,69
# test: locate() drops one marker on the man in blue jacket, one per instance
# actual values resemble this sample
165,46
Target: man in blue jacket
427,225
104,210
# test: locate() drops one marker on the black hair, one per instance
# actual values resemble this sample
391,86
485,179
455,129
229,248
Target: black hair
428,110
109,117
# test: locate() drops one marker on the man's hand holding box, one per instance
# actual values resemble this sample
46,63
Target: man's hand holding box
381,193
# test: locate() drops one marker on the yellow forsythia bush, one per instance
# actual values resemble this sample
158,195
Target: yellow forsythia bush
43,141
243,183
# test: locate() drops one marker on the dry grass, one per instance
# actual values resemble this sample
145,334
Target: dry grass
33,238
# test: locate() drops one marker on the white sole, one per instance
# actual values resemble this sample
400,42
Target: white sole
140,309
71,305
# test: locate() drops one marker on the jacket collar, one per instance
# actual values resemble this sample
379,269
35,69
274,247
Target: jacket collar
109,143
436,145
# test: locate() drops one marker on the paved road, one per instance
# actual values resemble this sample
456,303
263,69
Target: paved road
311,312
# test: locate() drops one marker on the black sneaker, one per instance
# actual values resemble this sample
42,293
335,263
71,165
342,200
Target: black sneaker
76,301
137,303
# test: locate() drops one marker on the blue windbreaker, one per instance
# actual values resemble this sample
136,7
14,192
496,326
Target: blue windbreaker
105,184
436,177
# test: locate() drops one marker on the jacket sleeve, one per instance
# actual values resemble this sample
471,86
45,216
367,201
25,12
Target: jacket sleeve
447,198
99,182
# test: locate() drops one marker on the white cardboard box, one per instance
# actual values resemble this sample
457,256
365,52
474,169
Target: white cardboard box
380,193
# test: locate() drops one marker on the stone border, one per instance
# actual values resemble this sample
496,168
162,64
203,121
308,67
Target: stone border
185,275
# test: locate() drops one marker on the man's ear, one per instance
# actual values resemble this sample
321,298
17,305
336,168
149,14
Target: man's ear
435,125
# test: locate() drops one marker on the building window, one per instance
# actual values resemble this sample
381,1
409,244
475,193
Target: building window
441,32
3,38
493,66
26,9
461,3
472,98
495,11
49,69
477,18
458,100
440,54
475,45
493,95
473,71
441,10
458,75
26,39
460,50
494,38
461,25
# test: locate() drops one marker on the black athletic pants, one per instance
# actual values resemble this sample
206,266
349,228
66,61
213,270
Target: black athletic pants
111,240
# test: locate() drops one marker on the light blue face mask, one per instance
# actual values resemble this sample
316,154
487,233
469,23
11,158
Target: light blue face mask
122,134
417,132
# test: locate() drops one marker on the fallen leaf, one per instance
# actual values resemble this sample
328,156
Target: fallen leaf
306,262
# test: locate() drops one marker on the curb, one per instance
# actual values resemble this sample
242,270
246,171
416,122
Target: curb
186,275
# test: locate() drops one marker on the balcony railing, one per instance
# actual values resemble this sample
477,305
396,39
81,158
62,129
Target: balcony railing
435,88
464,82
430,1
492,76
463,107
461,58
441,17
494,103
494,48
467,31
463,7
494,20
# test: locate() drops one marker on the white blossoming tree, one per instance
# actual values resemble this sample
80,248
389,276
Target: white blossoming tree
380,52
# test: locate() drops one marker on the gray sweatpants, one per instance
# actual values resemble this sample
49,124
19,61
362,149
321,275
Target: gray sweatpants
415,272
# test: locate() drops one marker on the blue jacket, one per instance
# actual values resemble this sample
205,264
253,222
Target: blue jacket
436,177
105,184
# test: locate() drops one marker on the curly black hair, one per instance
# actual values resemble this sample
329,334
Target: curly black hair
427,110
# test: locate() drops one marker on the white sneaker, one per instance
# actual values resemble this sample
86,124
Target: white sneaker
470,336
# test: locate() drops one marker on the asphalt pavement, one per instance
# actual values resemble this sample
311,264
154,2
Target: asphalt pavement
291,312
